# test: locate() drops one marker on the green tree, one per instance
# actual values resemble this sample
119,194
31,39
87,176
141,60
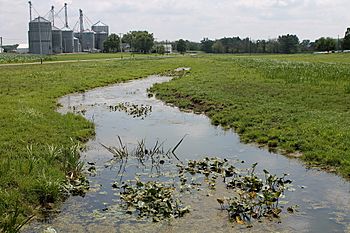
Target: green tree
139,41
218,47
305,46
112,44
181,46
160,49
206,45
346,41
325,44
288,44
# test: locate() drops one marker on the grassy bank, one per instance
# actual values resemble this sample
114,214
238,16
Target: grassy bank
298,104
293,103
30,171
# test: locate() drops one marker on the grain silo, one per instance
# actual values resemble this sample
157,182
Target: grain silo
88,41
100,38
67,40
40,36
100,27
56,40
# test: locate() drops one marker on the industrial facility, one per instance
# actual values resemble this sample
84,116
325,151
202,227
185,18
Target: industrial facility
46,38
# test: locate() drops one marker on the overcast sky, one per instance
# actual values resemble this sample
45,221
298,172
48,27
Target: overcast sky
191,19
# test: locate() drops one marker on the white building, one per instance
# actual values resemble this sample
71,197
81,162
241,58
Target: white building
168,48
22,48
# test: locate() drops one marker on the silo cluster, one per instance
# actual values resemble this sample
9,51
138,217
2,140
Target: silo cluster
45,38
92,40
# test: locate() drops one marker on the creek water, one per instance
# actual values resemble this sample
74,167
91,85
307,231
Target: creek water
323,199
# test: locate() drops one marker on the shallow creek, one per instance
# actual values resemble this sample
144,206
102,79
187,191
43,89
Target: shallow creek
323,198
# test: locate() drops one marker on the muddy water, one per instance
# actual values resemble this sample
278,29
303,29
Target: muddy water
323,199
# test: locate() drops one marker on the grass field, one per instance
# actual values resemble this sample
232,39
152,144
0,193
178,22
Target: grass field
297,103
27,58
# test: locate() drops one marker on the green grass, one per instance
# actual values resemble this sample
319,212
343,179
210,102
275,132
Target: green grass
296,103
29,124
7,58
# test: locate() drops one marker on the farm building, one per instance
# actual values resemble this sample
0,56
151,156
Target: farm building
22,48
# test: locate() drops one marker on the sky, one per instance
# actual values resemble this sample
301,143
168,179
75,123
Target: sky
190,19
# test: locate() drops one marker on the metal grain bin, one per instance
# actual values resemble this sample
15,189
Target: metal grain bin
88,41
40,36
100,27
56,40
76,45
67,40
100,37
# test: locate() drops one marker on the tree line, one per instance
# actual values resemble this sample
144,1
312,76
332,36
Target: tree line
144,42
286,44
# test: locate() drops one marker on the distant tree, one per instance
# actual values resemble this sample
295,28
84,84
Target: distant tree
206,45
181,46
139,41
272,46
305,46
160,49
288,44
112,44
192,46
325,44
346,40
218,47
261,46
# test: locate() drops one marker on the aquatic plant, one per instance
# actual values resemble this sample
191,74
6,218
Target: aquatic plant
253,197
152,199
134,110
72,164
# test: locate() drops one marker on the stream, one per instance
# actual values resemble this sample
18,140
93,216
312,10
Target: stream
323,199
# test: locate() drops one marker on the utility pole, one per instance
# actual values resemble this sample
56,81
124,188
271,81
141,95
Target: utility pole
0,44
121,44
30,10
338,44
40,42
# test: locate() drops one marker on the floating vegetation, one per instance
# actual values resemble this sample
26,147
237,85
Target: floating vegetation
152,199
253,197
134,110
249,196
